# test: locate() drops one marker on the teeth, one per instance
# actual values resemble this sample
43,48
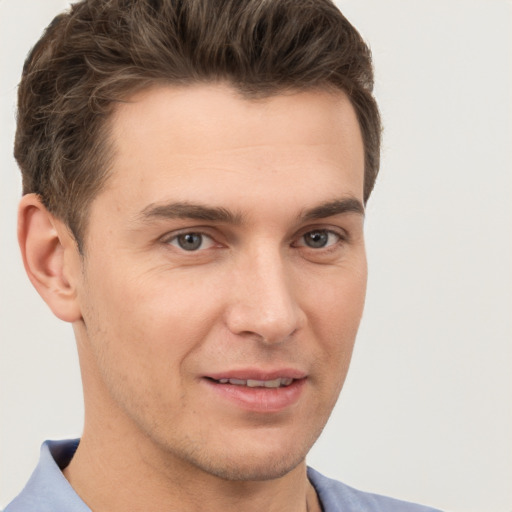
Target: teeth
238,382
264,383
252,383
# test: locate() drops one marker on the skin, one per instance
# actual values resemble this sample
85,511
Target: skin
153,320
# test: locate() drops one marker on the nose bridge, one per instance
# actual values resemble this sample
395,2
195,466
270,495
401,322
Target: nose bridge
263,302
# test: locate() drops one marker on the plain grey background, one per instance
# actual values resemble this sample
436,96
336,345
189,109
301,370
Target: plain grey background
426,412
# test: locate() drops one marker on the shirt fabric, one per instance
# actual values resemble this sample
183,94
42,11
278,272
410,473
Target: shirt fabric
48,490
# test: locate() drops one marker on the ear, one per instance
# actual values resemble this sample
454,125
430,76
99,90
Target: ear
50,256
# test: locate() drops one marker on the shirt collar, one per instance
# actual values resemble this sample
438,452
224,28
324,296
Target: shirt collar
47,489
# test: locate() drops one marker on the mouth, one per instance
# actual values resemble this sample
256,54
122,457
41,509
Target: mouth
280,382
256,391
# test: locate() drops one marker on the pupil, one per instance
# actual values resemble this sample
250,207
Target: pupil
190,241
316,239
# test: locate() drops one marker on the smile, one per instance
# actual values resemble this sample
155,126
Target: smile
257,391
252,383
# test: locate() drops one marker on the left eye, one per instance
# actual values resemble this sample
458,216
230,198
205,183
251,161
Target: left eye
192,241
319,239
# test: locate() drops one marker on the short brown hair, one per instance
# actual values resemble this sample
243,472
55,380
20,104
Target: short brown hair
100,51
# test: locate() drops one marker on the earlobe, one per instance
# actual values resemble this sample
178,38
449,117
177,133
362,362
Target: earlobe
50,257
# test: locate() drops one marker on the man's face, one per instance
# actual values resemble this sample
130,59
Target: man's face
224,276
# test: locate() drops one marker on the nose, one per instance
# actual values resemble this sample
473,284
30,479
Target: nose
263,304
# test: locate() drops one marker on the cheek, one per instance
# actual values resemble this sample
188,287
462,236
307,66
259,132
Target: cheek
335,321
338,302
152,321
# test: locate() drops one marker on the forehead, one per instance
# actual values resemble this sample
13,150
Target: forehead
217,113
207,140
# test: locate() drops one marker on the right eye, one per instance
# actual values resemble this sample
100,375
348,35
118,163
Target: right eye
191,241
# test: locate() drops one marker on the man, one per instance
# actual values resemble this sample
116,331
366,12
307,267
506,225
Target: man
195,175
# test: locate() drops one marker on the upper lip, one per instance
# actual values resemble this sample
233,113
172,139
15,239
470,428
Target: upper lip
258,374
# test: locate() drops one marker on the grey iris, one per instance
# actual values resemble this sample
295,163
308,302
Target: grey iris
190,241
316,239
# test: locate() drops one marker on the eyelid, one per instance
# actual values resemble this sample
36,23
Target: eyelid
168,238
338,231
200,230
330,245
205,232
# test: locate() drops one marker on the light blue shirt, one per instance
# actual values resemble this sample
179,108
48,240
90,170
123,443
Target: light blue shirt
49,491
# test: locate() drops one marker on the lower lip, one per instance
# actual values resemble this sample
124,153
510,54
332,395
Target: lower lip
262,400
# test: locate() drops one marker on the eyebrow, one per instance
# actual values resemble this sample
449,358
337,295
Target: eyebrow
186,210
331,208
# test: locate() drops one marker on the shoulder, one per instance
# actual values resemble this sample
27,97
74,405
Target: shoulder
338,497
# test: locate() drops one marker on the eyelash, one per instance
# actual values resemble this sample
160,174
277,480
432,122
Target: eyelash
176,238
340,239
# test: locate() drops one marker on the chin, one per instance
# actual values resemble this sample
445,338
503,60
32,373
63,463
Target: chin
257,457
251,468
